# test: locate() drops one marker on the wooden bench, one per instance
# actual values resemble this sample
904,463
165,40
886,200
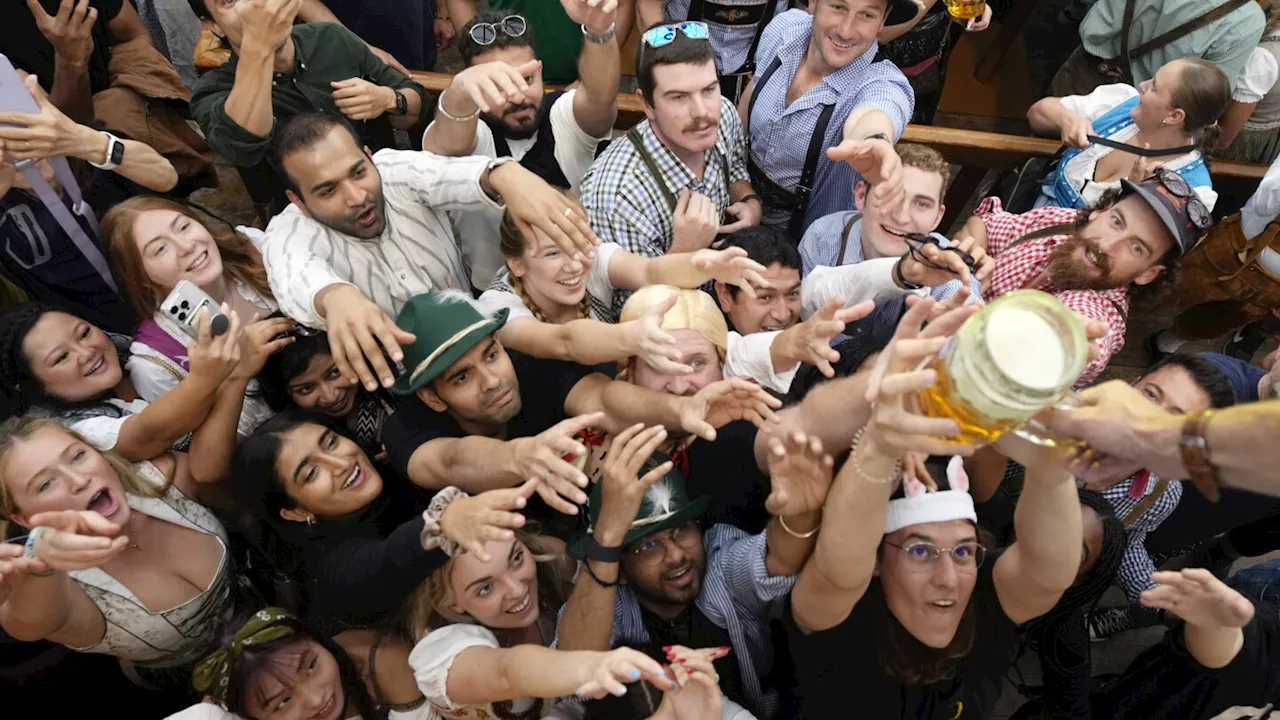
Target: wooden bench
976,153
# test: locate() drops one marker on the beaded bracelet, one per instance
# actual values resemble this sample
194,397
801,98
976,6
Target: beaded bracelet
857,462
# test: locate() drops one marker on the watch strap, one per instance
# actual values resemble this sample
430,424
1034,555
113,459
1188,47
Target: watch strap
603,37
1195,455
600,553
115,153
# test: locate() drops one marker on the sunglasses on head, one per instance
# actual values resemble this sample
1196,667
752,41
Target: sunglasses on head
1178,185
487,33
660,35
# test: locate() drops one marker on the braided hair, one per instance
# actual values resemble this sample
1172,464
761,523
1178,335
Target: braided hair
512,242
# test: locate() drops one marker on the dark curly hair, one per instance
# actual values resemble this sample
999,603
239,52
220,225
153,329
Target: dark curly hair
16,376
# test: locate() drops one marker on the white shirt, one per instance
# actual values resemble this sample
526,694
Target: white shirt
1081,168
416,253
432,658
575,151
103,431
1259,210
1258,76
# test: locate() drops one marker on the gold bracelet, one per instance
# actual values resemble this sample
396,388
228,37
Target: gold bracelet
857,462
795,534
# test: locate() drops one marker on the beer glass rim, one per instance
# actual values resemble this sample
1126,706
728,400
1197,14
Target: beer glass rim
1062,318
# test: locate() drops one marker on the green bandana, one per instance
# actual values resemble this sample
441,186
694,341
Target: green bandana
214,672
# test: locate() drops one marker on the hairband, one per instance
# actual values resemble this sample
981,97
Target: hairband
213,674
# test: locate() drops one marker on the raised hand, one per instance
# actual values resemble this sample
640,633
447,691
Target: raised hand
489,87
70,31
800,474
1144,167
745,214
443,28
983,264
214,357
724,401
731,266
1198,597
895,428
653,345
695,222
14,565
268,23
609,672
535,204
544,456
76,539
492,515
597,15
878,163
810,341
359,332
698,695
259,340
391,60
360,99
621,487
1075,130
939,267
1112,418
48,133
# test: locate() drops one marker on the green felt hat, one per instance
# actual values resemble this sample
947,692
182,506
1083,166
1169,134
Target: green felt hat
665,505
446,325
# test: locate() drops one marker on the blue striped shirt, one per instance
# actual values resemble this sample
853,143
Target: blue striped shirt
1134,574
820,247
779,133
737,595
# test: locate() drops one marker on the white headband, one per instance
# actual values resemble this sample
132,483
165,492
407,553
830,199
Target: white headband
920,506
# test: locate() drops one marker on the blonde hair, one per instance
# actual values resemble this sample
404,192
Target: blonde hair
694,310
20,429
240,259
512,242
429,605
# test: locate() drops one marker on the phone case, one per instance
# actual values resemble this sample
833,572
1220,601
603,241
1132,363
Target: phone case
184,304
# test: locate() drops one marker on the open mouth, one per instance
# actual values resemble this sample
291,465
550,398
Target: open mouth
329,706
103,503
199,262
572,284
98,366
840,45
942,605
521,607
354,479
681,577
367,218
1091,257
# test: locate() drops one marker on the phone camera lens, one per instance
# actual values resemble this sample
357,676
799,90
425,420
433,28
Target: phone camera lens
173,309
182,316
185,305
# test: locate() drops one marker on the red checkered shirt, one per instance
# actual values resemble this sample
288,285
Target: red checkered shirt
1018,266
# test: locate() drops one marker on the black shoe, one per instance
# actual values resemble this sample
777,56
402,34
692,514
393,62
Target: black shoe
1152,345
1105,623
1245,343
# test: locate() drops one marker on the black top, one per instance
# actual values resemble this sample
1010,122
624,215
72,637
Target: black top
726,469
543,385
24,45
1166,682
838,671
693,629
361,571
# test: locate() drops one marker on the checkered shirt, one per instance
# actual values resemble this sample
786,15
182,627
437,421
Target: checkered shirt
1018,266
1136,566
780,132
626,205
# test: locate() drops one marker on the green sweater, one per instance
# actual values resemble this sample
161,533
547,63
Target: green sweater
324,53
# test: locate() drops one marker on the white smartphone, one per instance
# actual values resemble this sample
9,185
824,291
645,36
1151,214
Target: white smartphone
183,306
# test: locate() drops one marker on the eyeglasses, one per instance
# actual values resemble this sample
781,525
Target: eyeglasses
659,35
1178,185
652,550
916,241
487,33
966,556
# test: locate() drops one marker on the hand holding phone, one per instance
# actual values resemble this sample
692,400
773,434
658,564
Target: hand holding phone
183,306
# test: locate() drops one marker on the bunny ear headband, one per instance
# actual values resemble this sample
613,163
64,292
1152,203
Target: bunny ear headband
921,506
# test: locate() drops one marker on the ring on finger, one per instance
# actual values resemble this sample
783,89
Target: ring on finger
568,212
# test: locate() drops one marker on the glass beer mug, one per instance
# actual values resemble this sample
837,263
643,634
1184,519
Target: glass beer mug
1015,357
966,9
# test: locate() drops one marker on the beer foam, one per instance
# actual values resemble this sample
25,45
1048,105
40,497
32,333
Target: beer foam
1026,348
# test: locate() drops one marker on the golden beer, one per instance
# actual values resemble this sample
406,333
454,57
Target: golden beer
966,9
1015,357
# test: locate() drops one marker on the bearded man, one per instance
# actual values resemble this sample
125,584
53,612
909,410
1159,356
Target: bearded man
1096,260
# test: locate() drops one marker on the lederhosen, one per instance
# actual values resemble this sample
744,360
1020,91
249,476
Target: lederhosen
633,135
1224,268
771,193
541,158
736,15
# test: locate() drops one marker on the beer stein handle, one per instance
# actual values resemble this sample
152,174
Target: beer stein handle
1033,431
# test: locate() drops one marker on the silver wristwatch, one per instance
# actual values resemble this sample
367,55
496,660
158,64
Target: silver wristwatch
603,37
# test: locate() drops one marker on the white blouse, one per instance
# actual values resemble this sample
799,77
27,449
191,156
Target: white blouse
1257,77
431,660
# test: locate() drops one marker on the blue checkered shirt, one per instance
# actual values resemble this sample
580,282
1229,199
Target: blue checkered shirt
737,595
820,247
780,133
731,42
626,205
1136,566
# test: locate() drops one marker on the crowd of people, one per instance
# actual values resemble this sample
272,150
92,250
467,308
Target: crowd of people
502,412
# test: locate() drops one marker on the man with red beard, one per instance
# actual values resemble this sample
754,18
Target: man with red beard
1097,259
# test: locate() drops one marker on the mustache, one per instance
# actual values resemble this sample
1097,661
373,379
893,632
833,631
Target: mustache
702,124
513,109
366,207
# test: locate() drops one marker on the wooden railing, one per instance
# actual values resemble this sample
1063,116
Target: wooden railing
976,153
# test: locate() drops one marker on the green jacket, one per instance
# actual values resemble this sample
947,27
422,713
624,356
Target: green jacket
325,53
